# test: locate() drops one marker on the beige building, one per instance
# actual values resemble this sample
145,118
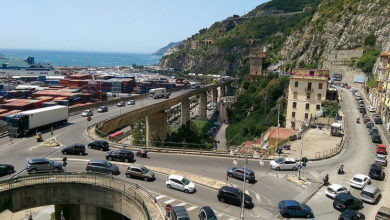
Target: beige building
256,60
306,92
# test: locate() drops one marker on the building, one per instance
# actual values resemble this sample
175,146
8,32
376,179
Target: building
256,59
275,136
379,96
306,91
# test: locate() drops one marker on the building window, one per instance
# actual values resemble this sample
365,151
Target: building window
295,95
319,96
308,96
294,105
311,72
320,86
306,115
309,86
293,114
296,84
307,106
318,106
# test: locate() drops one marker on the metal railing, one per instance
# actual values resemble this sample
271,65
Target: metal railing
130,189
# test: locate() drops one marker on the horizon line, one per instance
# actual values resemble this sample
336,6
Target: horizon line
77,51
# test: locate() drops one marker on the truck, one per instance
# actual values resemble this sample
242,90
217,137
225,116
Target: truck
24,122
157,93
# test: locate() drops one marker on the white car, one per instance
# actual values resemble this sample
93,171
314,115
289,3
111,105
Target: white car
284,163
131,102
359,181
371,109
87,113
180,183
334,189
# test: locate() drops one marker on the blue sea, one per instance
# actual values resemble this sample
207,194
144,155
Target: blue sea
75,58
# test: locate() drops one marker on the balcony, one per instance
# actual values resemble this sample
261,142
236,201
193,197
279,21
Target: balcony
309,90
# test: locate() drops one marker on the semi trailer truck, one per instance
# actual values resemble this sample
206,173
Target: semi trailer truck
157,93
21,124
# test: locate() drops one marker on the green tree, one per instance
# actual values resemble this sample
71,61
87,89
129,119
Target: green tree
138,130
367,61
370,40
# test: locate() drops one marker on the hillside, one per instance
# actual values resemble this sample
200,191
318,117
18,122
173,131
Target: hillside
162,50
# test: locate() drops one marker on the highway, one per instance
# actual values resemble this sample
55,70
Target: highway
270,188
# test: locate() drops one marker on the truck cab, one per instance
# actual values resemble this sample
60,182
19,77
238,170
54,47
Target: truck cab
17,125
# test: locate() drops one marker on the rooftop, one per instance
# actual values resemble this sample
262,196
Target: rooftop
322,74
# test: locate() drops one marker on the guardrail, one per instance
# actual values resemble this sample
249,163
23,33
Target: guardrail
132,190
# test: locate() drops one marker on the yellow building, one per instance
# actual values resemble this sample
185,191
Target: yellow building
383,83
306,92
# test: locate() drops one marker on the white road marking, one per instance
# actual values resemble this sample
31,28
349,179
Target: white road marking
159,197
247,191
219,215
258,197
192,208
170,201
181,204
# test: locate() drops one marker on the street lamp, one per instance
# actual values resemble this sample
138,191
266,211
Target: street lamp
235,162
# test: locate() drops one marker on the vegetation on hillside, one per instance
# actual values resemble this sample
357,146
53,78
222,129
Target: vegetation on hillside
189,135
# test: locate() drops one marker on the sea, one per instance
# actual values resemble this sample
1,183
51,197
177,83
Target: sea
80,58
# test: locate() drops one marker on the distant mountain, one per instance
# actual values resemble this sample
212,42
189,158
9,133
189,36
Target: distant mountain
161,51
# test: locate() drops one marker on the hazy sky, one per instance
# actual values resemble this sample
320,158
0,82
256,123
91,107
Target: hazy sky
109,25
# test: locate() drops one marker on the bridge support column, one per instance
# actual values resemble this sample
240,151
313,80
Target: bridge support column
215,95
185,111
156,127
203,106
221,91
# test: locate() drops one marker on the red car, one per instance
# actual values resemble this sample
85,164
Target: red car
381,149
366,119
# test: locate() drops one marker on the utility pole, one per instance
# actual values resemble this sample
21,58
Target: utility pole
243,185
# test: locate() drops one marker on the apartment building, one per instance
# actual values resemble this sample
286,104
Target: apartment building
306,91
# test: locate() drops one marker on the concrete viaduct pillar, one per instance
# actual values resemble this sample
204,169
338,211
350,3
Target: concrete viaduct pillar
185,111
203,106
221,91
156,127
215,95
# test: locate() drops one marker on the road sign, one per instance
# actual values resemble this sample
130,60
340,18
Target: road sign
168,207
304,160
89,118
299,167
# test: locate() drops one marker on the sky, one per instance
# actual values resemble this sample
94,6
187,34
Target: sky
141,26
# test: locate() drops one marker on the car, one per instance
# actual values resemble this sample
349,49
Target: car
376,172
376,139
345,201
380,159
131,102
373,131
351,215
376,115
180,183
179,213
378,121
370,194
102,109
238,173
87,113
361,106
284,163
335,189
381,149
383,213
78,149
102,166
206,213
369,125
140,172
292,208
101,145
362,110
231,195
42,165
6,169
359,181
366,119
121,104
120,155
371,109
167,95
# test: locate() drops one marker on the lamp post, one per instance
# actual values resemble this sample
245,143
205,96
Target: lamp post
235,162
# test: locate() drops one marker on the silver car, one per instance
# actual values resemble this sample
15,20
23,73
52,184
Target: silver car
370,194
380,159
284,163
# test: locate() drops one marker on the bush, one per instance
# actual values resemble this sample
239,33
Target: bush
370,40
367,61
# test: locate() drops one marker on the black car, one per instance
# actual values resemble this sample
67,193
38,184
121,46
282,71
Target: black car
238,172
362,110
345,201
6,169
369,125
102,109
373,131
351,215
99,145
179,213
233,196
120,155
376,139
206,213
378,121
78,149
292,208
102,166
376,172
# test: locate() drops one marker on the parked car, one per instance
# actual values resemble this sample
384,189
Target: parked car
376,139
371,109
335,189
206,213
78,149
179,213
351,215
99,145
373,131
41,165
376,172
381,149
238,172
345,201
120,155
6,169
167,95
292,208
102,109
231,195
359,181
121,104
140,172
180,183
369,125
361,105
380,159
131,102
366,119
284,163
370,194
102,166
362,110
378,121
87,113
383,213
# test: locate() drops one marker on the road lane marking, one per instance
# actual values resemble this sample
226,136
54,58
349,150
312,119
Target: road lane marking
247,191
170,201
192,208
258,197
181,204
160,197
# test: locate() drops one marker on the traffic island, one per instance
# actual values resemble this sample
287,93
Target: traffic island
52,142
297,181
